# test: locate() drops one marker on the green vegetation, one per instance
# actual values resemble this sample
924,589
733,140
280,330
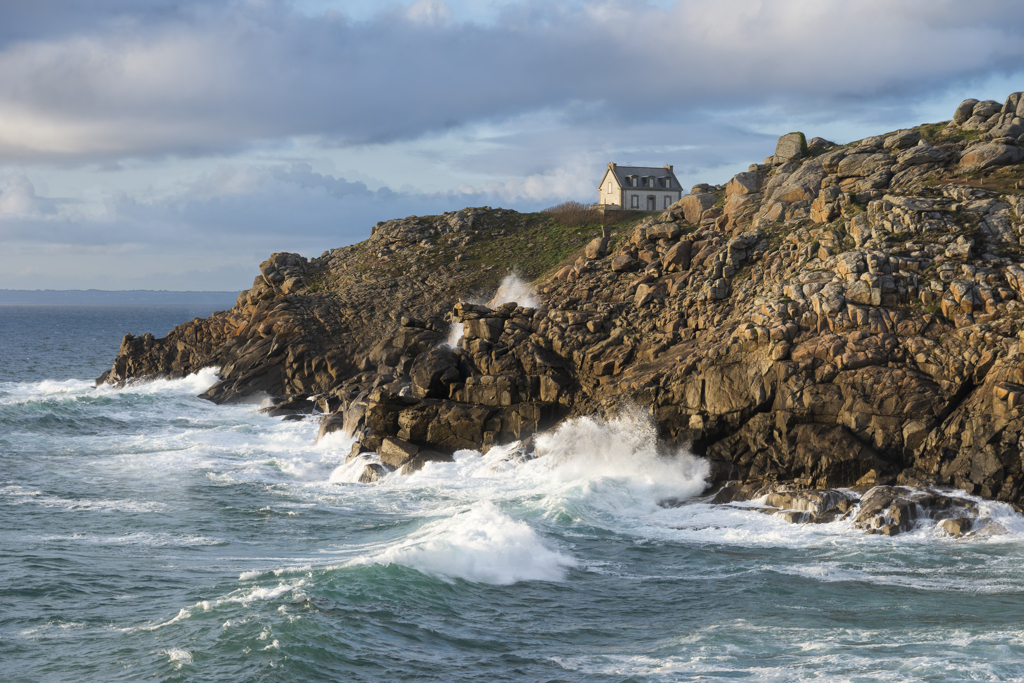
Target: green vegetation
474,262
578,214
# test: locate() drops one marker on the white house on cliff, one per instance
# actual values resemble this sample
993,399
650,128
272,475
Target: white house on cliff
638,187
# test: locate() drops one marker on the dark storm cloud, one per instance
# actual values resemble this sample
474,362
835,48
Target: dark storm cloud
184,79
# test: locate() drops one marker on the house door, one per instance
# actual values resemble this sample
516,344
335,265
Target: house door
651,203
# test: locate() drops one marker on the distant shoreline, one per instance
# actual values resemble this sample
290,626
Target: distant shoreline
98,297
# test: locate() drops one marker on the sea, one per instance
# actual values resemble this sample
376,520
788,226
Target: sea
146,534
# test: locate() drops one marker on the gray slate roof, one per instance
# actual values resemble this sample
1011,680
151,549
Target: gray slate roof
621,172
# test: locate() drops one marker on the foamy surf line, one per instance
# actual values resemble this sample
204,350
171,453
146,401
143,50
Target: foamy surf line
23,392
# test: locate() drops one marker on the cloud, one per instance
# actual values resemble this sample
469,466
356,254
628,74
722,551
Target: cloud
219,78
189,139
429,12
208,235
19,199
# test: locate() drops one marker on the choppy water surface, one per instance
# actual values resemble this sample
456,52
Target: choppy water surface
148,534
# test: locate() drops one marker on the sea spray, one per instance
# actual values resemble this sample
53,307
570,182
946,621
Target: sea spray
480,544
625,446
512,289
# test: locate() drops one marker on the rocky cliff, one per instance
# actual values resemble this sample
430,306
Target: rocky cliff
837,316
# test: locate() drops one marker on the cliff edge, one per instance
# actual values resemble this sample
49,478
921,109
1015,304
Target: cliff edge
836,316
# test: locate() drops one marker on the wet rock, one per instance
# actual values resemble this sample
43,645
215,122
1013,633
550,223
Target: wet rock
373,472
832,318
957,526
890,510
396,452
421,459
330,424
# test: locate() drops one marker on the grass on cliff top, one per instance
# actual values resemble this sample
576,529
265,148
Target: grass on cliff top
1003,179
542,245
533,245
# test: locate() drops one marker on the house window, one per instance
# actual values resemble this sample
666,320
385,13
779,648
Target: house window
668,200
635,202
609,188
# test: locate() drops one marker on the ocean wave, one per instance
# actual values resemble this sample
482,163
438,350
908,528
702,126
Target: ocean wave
482,545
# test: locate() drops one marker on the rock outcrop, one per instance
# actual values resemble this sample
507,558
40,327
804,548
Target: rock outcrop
834,315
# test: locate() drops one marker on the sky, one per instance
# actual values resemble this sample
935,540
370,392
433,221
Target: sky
176,144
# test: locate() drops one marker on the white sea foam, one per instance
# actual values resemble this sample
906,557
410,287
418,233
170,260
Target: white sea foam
192,385
182,614
155,540
177,656
514,290
481,544
511,290
243,597
624,448
82,504
17,392
777,653
259,593
607,471
349,472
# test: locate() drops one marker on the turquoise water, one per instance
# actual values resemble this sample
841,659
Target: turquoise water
149,535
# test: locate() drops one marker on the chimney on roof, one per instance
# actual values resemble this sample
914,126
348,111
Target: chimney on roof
668,167
611,165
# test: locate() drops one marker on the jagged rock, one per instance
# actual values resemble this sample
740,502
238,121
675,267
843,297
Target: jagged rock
678,256
745,183
770,447
374,471
964,111
988,154
623,263
421,459
396,452
890,510
961,248
987,109
851,319
596,248
434,371
790,146
958,526
695,204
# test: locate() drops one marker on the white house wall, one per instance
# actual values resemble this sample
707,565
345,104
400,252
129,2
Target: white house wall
603,197
642,196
